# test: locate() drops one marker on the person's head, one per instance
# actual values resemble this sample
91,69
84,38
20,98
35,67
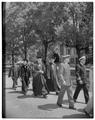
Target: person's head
56,50
66,58
25,61
39,60
82,60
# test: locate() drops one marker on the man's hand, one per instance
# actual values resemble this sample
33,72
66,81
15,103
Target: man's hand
79,79
80,82
64,83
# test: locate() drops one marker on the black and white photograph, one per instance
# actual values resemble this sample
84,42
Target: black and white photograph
47,60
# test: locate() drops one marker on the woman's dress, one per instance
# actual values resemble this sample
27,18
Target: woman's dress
51,82
39,81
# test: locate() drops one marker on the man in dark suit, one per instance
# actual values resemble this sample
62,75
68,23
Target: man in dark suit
81,79
25,75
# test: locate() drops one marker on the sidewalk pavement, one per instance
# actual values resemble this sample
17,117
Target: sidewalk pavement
20,106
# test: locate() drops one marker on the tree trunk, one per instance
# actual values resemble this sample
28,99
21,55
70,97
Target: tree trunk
25,51
77,52
25,43
46,47
13,45
13,61
46,52
25,47
12,58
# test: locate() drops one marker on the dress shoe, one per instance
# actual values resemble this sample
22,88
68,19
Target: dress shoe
74,100
87,114
44,96
57,93
25,93
86,102
60,105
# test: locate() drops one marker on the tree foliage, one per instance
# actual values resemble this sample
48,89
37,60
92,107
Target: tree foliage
28,23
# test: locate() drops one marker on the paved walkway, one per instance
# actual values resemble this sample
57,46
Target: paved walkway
20,106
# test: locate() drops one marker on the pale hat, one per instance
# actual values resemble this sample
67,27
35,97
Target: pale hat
65,56
20,62
83,57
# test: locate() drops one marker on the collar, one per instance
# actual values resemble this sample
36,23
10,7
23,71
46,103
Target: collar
81,64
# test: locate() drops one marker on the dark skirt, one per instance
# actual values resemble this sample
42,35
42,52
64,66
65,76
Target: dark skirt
25,83
51,82
39,84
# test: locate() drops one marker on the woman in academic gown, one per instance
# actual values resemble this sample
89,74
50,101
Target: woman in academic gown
51,82
39,81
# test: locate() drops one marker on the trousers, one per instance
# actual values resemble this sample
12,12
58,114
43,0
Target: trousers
69,93
25,83
85,90
14,82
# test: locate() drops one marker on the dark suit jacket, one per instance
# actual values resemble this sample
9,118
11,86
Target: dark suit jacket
81,73
25,71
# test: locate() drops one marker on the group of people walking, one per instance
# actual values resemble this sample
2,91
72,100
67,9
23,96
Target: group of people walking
58,77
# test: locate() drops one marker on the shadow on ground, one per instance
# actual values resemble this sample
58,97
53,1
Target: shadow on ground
80,110
65,102
25,96
10,88
16,92
19,86
48,107
30,96
80,115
